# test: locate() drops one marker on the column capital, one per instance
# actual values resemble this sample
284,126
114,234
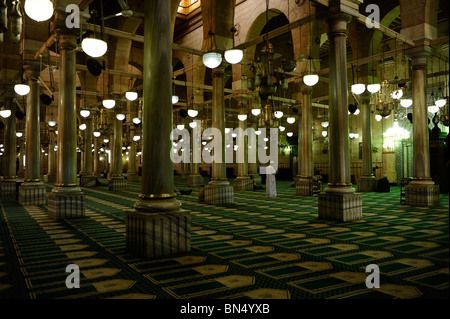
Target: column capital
337,23
67,39
32,70
219,71
419,56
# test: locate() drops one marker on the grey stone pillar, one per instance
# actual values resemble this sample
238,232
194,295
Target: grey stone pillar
253,152
339,202
21,172
96,169
158,226
304,185
132,175
421,191
366,182
8,183
242,181
51,175
117,181
32,191
219,190
88,179
195,179
111,156
66,200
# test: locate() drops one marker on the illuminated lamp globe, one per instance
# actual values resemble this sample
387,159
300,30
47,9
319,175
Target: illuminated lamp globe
406,103
325,124
358,88
234,56
5,113
106,140
193,124
192,113
97,134
282,128
227,130
131,96
357,112
258,132
397,95
85,113
175,99
433,109
39,10
212,59
109,104
374,88
51,123
256,112
136,121
94,47
278,114
180,127
311,79
290,134
242,117
290,120
120,116
136,138
19,134
440,102
82,127
378,117
324,133
233,135
21,89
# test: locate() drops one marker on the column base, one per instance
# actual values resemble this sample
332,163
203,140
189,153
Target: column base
417,194
8,188
66,203
341,207
162,230
88,181
219,192
20,174
304,187
117,184
185,175
297,179
195,180
256,177
243,183
32,193
366,184
132,177
50,178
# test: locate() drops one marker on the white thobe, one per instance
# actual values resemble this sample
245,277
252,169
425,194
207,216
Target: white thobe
271,183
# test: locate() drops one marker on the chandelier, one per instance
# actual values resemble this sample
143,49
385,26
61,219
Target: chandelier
396,132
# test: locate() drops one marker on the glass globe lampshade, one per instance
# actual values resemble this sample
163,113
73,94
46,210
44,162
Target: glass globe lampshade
19,134
131,96
51,123
82,127
106,140
374,88
97,134
433,109
406,103
212,59
180,126
120,116
278,114
440,103
85,113
5,113
324,133
175,99
136,138
357,112
39,10
21,89
136,121
109,104
397,95
234,56
94,47
258,132
193,124
378,117
290,120
256,112
233,135
358,88
325,124
290,134
311,79
266,139
242,117
282,128
227,130
192,113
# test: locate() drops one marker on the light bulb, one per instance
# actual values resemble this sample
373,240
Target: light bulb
234,56
256,112
85,113
131,96
21,89
192,113
212,59
242,117
278,114
39,10
109,103
374,88
311,79
120,116
94,47
358,88
290,120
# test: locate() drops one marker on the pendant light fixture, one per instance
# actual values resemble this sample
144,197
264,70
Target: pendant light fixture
85,113
93,46
310,79
357,88
175,97
233,56
374,87
212,59
192,112
39,10
22,89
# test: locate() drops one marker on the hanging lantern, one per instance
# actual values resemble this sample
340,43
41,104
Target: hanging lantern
3,16
15,23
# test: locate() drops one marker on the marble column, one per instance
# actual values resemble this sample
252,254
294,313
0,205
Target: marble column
219,190
66,200
366,182
339,202
421,191
21,172
132,175
88,179
96,171
195,179
8,183
32,191
117,181
305,184
111,155
51,175
242,181
158,226
253,152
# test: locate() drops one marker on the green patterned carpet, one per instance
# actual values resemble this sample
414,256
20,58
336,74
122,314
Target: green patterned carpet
257,248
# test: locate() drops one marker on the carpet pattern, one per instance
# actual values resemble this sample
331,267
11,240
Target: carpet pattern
256,248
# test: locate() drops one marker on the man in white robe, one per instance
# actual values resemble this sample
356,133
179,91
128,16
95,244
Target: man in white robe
271,183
